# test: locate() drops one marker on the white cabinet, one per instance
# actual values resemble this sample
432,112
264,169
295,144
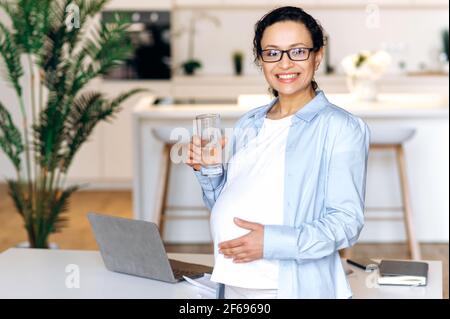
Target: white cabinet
440,3
359,3
139,4
255,3
241,4
237,4
197,3
170,4
117,141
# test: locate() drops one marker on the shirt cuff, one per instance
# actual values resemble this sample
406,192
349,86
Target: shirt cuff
208,183
280,242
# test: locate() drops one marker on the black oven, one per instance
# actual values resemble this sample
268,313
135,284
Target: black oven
150,36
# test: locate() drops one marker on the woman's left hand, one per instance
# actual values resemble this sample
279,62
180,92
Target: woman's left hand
246,248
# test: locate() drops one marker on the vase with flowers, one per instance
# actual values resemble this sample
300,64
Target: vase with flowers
363,69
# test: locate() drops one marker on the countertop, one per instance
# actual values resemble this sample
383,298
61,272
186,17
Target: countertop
404,105
43,273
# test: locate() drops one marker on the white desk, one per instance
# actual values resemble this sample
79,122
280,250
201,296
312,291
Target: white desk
39,273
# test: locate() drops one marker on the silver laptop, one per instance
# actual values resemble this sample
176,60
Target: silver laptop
135,247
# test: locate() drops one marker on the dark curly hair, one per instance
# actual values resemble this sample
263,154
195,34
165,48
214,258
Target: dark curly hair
288,13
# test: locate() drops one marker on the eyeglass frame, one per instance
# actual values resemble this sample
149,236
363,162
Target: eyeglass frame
287,52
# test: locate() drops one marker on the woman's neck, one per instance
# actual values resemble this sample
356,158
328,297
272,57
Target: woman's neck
290,104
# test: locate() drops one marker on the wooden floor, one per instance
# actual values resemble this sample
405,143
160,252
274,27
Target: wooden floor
78,234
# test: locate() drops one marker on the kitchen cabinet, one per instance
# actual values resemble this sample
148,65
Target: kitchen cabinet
139,4
194,3
241,4
406,3
442,3
359,3
268,3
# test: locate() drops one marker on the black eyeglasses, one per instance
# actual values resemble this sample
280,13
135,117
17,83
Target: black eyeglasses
295,54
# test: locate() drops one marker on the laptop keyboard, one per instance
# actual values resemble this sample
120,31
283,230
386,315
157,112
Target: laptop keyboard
181,269
179,273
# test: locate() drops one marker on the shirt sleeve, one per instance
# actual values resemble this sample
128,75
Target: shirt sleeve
344,201
211,187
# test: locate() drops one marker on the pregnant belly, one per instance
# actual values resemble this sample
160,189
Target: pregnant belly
245,202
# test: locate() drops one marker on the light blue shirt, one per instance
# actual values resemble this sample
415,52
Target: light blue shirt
325,180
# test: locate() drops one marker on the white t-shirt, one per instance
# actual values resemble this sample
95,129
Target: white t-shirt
254,191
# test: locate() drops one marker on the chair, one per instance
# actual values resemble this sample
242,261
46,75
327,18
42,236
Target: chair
163,135
392,139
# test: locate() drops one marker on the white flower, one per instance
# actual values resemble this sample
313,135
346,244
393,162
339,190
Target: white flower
366,64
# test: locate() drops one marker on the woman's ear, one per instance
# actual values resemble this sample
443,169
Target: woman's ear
259,62
318,57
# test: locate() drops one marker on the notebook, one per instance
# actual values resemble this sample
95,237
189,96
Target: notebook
405,273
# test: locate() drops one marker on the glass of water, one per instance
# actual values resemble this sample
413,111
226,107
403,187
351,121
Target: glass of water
207,127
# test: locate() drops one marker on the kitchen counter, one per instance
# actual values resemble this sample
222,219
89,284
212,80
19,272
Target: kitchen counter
427,157
388,105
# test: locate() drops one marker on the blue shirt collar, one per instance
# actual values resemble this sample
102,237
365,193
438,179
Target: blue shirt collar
306,113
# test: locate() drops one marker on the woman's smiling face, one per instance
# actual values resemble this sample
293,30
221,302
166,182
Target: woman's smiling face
286,76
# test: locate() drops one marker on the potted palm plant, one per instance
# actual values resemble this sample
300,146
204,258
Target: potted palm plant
62,53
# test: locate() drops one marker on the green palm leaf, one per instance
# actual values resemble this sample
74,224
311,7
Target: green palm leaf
10,138
11,58
16,194
87,111
115,103
87,9
51,57
49,133
23,206
104,50
54,221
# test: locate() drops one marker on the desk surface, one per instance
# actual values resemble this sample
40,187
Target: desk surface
40,273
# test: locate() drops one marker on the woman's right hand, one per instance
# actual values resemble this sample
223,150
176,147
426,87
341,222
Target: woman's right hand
195,159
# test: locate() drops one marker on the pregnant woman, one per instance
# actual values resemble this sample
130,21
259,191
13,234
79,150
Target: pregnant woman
292,194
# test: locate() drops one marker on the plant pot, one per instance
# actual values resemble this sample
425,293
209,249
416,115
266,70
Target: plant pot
26,244
190,66
189,71
237,67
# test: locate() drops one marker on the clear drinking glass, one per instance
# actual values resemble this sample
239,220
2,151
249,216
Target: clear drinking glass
207,127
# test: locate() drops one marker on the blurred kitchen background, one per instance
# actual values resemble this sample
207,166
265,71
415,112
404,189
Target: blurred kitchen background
412,93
